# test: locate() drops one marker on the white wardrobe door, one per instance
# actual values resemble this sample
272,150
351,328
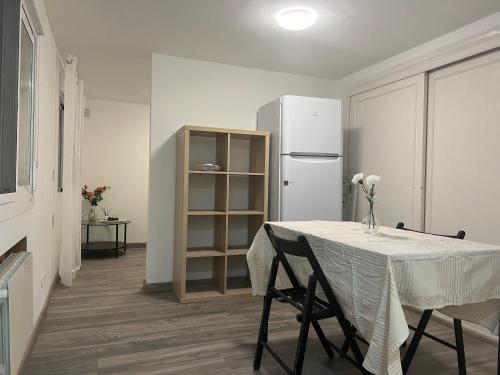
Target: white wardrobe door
463,174
386,138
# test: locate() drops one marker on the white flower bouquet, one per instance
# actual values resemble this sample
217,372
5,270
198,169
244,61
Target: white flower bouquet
368,186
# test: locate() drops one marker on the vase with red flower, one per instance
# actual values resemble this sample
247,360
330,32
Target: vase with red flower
92,214
94,197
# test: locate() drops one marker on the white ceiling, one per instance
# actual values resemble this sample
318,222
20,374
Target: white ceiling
114,39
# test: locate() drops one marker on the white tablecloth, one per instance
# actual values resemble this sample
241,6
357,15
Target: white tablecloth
373,276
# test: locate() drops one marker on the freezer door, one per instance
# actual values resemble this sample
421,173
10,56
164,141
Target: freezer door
311,125
311,188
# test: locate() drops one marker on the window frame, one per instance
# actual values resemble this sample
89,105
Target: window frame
21,199
8,91
26,22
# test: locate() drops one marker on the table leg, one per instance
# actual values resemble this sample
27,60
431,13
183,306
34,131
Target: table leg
498,359
88,234
459,340
125,239
412,348
116,241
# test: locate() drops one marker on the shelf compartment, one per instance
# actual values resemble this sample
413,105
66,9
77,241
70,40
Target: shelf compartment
241,232
205,277
206,233
246,193
238,279
208,147
207,192
247,153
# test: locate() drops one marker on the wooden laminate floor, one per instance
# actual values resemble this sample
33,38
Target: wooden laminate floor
105,324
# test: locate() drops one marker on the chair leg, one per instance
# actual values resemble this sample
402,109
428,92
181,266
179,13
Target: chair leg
304,327
412,348
323,339
351,343
498,359
301,346
459,339
345,346
264,324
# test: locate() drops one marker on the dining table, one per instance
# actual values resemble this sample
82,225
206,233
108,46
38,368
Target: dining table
374,276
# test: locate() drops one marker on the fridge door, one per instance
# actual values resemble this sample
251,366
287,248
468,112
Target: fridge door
311,188
311,125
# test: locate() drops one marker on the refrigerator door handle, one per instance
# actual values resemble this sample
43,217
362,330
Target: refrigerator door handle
314,155
316,160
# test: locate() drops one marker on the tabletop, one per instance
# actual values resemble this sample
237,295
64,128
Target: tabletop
374,276
105,222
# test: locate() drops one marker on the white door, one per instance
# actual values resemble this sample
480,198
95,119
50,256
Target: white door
464,149
311,188
311,125
386,138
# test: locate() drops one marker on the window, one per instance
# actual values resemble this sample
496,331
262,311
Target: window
10,11
26,126
17,100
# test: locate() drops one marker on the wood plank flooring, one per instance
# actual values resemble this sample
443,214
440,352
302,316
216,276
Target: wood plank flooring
105,324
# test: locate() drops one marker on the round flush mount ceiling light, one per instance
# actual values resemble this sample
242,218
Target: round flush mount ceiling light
296,18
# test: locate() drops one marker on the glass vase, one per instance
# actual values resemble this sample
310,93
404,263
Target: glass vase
370,224
92,214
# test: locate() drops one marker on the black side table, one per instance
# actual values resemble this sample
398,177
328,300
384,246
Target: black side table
106,245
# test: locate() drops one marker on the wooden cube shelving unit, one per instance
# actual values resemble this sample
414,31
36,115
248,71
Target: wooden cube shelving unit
218,212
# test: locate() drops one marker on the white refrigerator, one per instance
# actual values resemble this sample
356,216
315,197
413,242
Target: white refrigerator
305,177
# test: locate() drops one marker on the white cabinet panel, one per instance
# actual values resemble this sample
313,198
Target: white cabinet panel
463,150
387,138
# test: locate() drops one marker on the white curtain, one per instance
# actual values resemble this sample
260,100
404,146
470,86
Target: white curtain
74,105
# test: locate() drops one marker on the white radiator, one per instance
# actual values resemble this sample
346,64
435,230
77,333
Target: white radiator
16,309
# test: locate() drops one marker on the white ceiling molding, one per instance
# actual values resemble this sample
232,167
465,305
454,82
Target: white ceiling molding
478,37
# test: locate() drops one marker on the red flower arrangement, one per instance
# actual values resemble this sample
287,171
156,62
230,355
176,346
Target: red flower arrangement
94,197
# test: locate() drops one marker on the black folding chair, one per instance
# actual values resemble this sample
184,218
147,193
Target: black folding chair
422,324
311,308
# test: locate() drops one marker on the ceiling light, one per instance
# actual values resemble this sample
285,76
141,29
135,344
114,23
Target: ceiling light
296,18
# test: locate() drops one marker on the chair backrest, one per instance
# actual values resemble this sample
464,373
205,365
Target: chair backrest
460,234
299,248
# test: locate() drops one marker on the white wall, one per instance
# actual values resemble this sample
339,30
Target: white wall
115,152
36,222
186,91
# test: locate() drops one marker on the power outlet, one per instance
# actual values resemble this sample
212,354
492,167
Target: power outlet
43,280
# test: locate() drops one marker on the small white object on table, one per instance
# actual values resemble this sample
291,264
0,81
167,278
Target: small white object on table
374,276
